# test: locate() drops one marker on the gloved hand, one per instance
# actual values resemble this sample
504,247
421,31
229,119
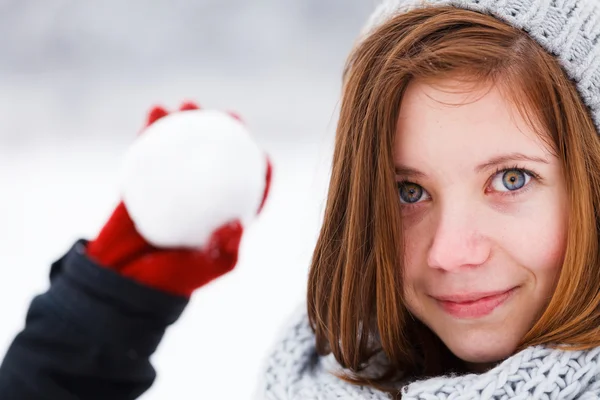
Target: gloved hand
192,181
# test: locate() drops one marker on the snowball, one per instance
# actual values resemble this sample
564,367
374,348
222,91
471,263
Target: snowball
189,173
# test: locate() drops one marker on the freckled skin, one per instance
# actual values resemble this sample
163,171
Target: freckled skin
477,231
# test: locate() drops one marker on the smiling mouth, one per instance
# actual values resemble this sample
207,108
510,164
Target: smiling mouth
473,305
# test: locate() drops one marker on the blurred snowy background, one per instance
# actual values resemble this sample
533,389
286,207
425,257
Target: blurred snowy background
76,79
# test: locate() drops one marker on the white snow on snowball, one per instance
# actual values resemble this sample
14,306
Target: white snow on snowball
189,173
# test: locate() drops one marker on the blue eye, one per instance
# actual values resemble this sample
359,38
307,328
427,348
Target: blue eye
410,192
510,180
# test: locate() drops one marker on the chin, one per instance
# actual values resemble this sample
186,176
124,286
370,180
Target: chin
480,348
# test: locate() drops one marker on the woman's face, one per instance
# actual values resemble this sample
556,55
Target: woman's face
484,218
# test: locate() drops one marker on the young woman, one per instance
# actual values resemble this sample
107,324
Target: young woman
458,257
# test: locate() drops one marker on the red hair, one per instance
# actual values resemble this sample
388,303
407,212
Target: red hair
355,299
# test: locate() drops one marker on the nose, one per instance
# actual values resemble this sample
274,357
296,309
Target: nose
458,241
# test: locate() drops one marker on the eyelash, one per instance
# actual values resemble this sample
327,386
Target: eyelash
499,170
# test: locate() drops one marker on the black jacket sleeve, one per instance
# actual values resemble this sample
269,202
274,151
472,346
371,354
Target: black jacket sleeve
90,336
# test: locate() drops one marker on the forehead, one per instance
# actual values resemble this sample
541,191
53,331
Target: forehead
467,120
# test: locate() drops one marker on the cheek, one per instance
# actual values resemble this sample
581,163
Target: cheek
414,256
538,241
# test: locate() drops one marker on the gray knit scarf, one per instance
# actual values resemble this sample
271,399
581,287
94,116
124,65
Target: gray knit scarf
294,371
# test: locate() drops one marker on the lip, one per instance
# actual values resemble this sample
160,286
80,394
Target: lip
473,305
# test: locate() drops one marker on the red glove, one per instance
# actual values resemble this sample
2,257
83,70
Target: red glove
192,181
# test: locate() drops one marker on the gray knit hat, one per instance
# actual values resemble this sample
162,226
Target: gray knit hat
567,29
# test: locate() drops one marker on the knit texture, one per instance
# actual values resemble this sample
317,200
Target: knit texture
567,29
294,371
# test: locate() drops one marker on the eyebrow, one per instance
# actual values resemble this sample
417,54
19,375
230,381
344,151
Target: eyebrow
492,162
409,172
